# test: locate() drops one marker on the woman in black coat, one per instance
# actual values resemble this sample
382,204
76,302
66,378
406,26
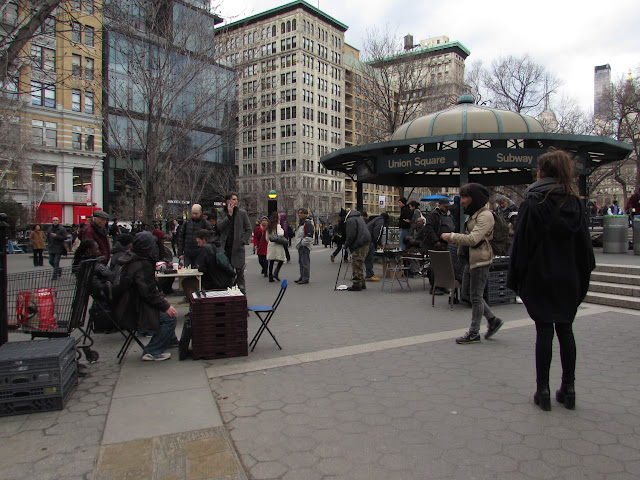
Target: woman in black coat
550,266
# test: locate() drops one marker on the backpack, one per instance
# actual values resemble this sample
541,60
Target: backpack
501,242
120,284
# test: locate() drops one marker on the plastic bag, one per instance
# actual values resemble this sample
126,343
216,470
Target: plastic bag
36,310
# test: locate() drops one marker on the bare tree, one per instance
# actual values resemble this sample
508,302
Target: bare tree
169,101
518,84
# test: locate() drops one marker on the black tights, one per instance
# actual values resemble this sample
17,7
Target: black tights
544,342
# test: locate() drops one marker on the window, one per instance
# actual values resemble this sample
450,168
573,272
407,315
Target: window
88,102
88,36
76,65
81,179
88,139
76,32
43,94
76,101
44,176
48,27
9,88
10,13
88,68
87,7
43,58
76,138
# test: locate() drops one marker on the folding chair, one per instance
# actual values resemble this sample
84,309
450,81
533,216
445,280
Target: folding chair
129,337
443,274
269,311
394,266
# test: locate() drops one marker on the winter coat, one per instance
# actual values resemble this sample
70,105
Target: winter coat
375,228
241,233
504,212
140,305
218,273
92,231
433,228
275,251
56,244
304,235
357,233
480,227
260,239
187,244
405,214
417,239
551,257
37,239
284,224
116,253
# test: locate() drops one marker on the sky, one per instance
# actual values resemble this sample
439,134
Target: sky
569,37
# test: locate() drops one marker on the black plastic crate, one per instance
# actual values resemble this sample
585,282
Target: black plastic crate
36,355
38,389
499,301
42,403
500,263
226,350
30,375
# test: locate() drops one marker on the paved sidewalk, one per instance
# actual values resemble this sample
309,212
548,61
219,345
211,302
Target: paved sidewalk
368,385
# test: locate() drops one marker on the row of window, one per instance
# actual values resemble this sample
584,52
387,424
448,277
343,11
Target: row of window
45,177
77,30
76,67
45,134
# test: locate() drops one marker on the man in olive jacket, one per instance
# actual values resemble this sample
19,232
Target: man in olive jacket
56,236
139,303
235,232
357,240
479,224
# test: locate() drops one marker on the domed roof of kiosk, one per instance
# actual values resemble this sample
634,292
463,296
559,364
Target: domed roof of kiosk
466,117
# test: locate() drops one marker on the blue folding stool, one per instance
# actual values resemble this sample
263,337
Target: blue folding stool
260,310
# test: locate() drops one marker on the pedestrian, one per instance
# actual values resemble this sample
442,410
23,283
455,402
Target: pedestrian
339,235
175,227
96,230
56,236
615,209
37,239
276,246
139,304
550,267
476,247
375,226
234,229
505,207
260,239
114,230
303,242
357,240
188,249
404,224
439,221
285,228
217,271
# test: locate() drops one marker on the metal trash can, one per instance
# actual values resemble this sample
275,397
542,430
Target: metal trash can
615,237
636,235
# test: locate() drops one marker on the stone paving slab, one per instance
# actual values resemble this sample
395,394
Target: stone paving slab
443,411
204,454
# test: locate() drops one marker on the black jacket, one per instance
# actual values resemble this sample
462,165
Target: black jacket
551,257
433,229
376,227
187,244
357,233
56,244
218,273
116,252
140,305
405,214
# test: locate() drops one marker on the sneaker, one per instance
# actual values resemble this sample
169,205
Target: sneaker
468,338
372,279
140,334
150,357
355,288
493,327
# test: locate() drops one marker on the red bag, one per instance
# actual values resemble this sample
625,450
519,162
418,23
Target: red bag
36,310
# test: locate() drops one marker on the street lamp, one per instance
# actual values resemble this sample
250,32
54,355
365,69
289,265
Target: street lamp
272,203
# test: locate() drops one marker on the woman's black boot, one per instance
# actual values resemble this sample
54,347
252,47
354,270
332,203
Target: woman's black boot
567,395
542,398
271,271
277,272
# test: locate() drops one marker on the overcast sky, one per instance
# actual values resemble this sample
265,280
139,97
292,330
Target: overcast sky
569,37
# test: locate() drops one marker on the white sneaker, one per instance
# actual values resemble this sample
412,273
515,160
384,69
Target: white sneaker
148,357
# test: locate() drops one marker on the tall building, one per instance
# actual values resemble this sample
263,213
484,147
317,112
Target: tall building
290,67
602,91
360,119
168,109
54,164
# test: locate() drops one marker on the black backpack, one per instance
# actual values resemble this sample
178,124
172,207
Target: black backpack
501,241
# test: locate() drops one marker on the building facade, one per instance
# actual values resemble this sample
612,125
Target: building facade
54,164
290,69
602,92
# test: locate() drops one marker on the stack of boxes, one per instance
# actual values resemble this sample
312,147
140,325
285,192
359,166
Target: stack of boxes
497,291
219,325
36,375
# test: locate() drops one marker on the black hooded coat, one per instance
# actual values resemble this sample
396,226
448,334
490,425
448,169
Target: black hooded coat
551,257
140,304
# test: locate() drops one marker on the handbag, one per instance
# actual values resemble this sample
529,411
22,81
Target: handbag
279,239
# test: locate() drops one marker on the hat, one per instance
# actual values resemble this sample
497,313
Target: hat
444,201
343,213
101,214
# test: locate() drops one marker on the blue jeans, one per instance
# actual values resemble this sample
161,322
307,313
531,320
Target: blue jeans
476,280
161,340
403,233
54,261
368,262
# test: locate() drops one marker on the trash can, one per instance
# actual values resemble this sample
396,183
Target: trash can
615,237
636,235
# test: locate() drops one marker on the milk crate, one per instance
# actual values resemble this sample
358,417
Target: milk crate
44,398
238,348
35,356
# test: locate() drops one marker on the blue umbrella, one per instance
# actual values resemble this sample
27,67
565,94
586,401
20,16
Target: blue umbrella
432,198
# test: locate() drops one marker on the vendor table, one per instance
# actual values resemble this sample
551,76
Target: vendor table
181,274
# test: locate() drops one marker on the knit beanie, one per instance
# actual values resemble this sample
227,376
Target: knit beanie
479,197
